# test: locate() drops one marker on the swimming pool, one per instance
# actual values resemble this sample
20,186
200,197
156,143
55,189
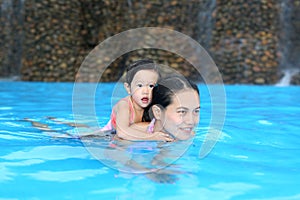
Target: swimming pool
257,156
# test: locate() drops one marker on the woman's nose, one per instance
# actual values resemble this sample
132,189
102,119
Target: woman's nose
191,118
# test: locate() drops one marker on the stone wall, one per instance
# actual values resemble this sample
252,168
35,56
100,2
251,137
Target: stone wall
102,19
245,41
241,37
53,40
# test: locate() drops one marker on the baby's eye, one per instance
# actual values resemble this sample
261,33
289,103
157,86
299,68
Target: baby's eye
151,86
140,85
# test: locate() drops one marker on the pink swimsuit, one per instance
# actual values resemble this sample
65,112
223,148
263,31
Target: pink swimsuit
111,124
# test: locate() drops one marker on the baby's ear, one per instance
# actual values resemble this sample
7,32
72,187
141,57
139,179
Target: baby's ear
127,88
156,110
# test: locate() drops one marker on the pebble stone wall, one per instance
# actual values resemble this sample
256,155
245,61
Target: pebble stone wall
243,38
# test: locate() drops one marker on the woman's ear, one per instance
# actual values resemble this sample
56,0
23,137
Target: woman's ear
127,88
156,110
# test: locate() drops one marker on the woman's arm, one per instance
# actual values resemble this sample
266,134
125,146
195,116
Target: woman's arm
137,132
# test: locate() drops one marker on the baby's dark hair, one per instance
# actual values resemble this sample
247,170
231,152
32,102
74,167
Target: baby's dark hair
165,89
138,65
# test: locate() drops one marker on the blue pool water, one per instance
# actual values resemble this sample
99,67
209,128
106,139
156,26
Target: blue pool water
256,157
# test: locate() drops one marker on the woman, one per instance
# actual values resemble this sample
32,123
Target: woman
174,109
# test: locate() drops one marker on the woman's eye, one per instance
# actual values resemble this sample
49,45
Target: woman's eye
181,111
197,111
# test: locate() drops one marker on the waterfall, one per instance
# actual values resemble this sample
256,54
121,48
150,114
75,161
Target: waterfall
11,22
205,21
289,41
287,77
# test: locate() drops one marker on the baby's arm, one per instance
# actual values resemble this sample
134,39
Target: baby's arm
160,136
134,132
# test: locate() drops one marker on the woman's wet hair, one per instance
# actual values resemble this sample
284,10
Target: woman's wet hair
164,90
144,64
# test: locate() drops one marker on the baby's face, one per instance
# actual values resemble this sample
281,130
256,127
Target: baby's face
141,87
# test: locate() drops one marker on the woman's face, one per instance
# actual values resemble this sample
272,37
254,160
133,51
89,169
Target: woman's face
182,115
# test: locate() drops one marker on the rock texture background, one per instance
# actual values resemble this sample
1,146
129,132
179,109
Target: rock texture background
48,40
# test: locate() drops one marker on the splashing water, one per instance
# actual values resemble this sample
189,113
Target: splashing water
286,79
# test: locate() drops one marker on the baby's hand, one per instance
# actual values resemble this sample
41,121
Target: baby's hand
161,136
